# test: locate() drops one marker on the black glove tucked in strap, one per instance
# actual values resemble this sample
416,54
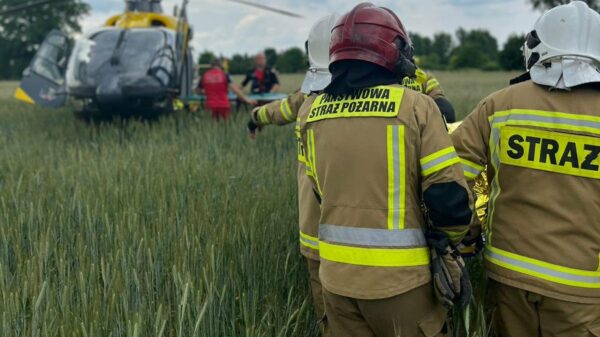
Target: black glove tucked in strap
450,277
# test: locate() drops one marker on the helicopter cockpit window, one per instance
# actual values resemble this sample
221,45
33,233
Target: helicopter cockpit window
51,59
90,55
148,52
130,51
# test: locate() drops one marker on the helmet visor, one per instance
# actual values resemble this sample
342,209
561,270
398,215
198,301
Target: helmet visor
316,80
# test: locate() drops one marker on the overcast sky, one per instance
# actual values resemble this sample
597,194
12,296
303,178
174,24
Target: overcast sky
227,28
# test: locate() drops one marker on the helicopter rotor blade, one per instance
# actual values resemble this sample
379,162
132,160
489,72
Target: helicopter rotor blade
267,8
31,4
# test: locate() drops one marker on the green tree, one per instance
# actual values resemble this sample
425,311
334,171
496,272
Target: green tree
271,55
206,57
22,32
547,4
432,54
442,47
292,60
476,49
421,44
511,56
240,64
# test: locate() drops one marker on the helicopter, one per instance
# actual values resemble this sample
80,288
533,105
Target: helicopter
137,64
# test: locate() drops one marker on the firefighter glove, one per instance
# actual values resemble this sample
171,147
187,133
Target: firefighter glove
253,129
450,277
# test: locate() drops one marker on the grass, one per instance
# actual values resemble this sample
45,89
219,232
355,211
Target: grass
182,227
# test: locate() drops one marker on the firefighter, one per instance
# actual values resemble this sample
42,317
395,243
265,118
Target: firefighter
375,150
262,78
215,84
285,112
542,134
423,82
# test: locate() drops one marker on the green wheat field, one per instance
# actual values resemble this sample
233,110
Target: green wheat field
181,227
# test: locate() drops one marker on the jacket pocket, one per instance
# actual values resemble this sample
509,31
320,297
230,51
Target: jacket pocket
435,324
594,330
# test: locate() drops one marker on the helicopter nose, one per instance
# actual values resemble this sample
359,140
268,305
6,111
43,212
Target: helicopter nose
110,91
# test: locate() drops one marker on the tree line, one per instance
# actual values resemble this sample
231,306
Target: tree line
22,32
292,60
473,49
469,49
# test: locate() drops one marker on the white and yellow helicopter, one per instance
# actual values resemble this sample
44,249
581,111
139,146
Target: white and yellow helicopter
137,63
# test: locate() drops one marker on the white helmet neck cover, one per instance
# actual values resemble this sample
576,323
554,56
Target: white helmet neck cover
318,76
563,50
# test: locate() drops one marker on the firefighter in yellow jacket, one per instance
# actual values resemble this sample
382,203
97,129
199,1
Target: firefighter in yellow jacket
285,112
543,135
374,151
423,82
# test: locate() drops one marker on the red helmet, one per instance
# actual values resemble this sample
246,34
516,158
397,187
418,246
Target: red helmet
368,33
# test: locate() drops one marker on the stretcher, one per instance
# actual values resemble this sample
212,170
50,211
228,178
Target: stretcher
261,98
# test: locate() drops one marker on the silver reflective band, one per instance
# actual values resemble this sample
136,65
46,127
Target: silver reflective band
545,119
309,241
471,170
542,270
397,171
495,135
285,108
372,237
440,160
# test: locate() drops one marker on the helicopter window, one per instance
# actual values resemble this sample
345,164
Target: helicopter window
104,46
163,65
51,59
140,48
135,51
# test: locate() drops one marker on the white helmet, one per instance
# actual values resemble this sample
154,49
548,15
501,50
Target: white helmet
563,50
318,76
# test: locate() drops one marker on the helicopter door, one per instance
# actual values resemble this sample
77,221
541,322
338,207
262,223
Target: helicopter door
44,80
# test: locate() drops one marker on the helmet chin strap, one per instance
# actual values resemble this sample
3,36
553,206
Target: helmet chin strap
405,66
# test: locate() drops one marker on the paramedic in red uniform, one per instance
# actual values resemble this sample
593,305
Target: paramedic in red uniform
264,80
215,84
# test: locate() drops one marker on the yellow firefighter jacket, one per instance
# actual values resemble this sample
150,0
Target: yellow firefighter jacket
542,148
371,156
281,113
284,112
424,83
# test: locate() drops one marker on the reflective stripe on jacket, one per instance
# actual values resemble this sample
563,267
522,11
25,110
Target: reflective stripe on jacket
542,148
281,112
